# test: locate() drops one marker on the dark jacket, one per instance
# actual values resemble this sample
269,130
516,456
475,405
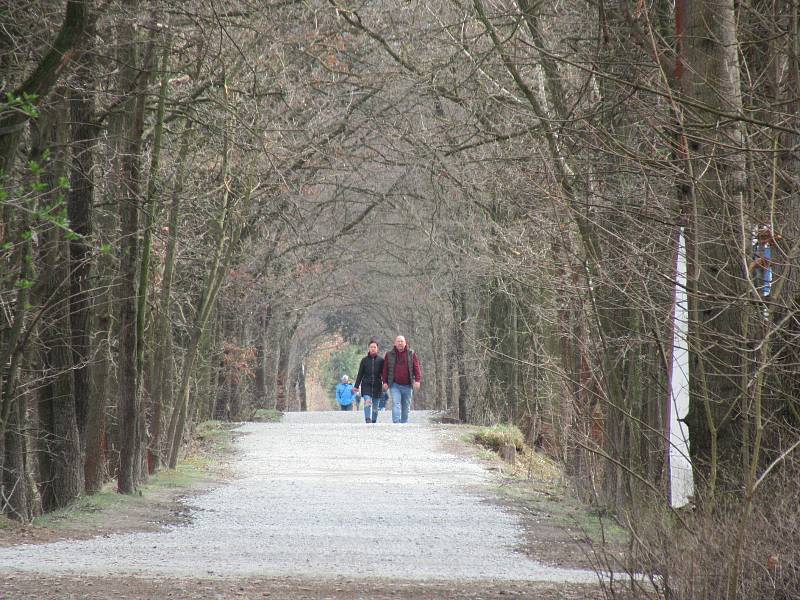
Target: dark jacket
369,376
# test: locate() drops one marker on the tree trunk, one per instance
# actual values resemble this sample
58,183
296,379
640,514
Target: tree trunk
17,492
221,398
444,375
284,347
716,255
61,448
162,363
147,243
12,348
103,371
502,373
436,373
272,356
459,333
451,385
282,374
784,388
79,211
260,380
130,414
301,386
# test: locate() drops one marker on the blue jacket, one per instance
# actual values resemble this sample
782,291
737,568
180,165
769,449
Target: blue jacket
344,394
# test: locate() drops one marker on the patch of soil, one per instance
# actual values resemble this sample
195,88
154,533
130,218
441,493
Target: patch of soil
159,508
553,530
551,517
121,588
151,510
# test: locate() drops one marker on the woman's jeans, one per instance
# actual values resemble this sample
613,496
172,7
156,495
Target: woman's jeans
370,409
401,402
346,406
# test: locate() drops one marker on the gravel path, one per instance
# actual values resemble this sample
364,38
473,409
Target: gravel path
324,495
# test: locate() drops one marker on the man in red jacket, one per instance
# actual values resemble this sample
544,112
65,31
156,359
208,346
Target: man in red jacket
401,376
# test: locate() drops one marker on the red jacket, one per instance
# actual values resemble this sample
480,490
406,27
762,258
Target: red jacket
401,370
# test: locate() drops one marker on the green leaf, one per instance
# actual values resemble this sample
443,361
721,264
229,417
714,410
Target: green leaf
30,110
35,167
24,284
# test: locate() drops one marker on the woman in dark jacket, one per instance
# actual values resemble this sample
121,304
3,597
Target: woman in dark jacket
368,382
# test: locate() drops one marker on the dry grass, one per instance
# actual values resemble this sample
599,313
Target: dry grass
497,436
690,553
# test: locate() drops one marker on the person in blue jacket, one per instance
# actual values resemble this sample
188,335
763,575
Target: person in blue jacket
345,393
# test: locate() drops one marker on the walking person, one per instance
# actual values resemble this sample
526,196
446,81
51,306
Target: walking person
368,381
345,393
402,375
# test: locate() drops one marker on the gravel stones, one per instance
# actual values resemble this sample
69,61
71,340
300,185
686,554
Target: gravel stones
323,494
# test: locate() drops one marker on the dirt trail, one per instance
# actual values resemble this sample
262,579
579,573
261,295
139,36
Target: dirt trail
324,497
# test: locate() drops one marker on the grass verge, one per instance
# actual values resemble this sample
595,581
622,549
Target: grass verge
156,501
537,486
266,415
497,436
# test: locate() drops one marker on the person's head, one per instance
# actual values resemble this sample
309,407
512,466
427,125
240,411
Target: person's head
373,347
400,343
345,379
